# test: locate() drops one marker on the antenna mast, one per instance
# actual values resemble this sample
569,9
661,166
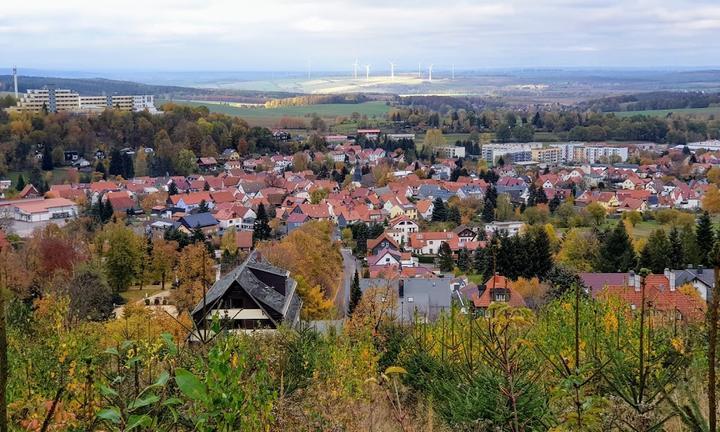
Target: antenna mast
15,81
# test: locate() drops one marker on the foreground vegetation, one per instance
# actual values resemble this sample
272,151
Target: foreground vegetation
573,365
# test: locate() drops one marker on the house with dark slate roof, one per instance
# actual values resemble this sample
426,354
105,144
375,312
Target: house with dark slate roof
206,222
254,296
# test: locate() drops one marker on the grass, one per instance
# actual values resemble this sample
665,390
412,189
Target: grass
663,113
57,176
269,116
135,294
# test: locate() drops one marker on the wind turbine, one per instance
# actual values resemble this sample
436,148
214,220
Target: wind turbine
419,71
392,71
355,67
367,72
430,72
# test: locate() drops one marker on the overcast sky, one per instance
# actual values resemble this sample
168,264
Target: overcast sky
330,34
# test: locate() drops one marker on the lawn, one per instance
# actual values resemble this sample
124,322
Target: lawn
58,176
269,116
135,294
663,113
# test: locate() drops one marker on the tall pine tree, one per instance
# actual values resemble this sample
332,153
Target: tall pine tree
445,258
677,257
439,213
616,252
355,293
705,238
655,255
20,183
488,211
261,228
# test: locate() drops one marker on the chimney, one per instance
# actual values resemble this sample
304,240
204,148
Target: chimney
631,278
637,283
670,275
700,269
217,273
401,288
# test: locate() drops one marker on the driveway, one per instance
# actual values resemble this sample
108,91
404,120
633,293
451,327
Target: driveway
349,265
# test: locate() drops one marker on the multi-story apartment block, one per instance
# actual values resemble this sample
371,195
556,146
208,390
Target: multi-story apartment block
450,152
51,99
509,152
548,155
595,153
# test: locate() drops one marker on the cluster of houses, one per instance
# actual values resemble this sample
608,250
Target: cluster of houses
228,194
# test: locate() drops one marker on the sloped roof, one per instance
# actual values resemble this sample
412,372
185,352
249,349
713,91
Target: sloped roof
198,220
287,305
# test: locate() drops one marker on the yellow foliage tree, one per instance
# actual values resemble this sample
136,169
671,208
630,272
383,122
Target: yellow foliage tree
311,253
711,200
228,242
434,138
164,258
578,250
195,268
713,175
315,305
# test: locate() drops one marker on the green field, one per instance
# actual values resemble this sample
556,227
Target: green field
269,116
57,176
663,113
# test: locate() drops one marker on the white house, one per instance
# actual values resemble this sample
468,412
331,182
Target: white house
401,228
512,228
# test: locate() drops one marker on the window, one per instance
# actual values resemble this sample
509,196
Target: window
411,299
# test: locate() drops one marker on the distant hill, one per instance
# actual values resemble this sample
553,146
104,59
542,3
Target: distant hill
662,100
98,86
90,86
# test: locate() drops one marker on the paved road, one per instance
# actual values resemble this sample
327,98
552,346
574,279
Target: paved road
349,265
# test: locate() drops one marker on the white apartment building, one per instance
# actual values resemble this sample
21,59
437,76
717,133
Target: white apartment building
567,150
56,100
548,155
450,152
509,152
594,154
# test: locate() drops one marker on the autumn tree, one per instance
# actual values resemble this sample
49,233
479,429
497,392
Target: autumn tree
195,273
597,212
164,259
310,252
711,200
90,295
14,279
315,304
141,164
122,252
578,250
434,138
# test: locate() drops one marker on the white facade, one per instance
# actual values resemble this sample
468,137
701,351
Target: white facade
451,152
41,210
512,228
55,100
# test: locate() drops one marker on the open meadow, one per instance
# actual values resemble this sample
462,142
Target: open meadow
269,117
